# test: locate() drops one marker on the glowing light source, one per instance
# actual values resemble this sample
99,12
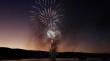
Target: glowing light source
51,34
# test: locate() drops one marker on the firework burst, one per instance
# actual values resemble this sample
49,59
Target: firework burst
49,14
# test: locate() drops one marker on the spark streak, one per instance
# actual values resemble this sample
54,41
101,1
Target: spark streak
49,14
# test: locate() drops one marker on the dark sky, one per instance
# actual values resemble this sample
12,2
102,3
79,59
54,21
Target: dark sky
85,22
85,27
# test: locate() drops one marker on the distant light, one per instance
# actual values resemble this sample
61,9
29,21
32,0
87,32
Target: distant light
51,34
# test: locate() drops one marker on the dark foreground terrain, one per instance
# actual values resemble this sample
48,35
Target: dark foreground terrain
7,54
64,59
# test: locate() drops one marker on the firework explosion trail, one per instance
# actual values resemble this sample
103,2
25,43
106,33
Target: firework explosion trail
49,14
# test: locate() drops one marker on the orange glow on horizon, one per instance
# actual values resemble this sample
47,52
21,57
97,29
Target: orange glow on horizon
45,46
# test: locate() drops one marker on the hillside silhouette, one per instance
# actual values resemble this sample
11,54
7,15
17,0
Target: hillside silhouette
8,53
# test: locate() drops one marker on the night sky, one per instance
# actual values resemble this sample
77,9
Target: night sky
84,28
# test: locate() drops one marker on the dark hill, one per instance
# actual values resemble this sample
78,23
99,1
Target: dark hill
7,53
